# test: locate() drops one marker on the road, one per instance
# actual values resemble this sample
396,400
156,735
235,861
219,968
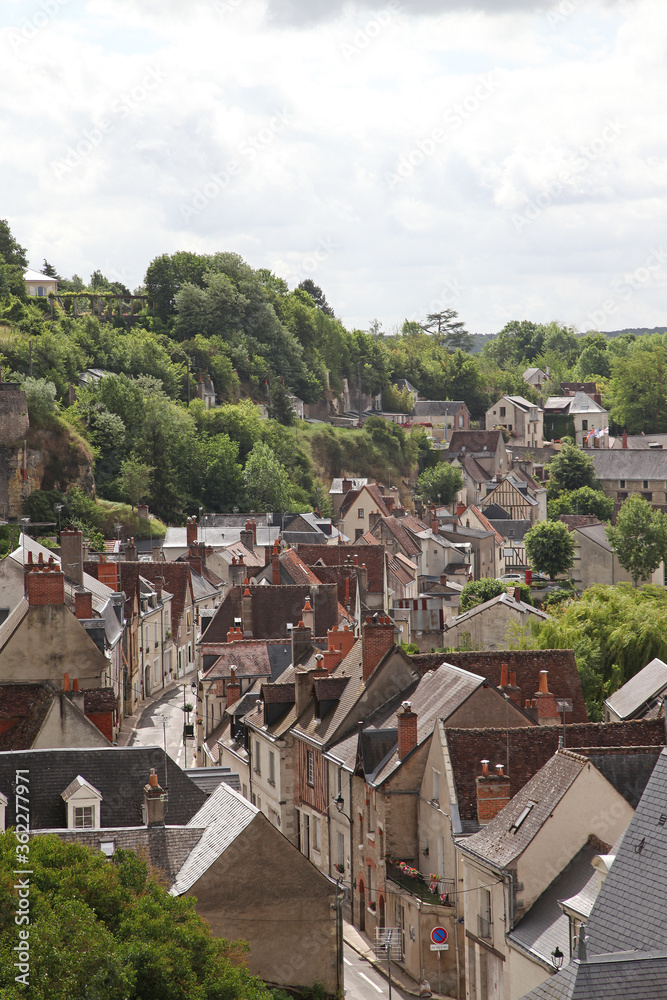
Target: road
363,982
150,729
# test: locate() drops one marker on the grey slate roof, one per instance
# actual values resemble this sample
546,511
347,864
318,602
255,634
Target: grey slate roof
596,533
627,464
437,407
119,773
628,769
208,778
624,976
224,816
165,847
630,911
646,685
500,599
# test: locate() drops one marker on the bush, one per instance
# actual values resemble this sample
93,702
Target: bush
41,398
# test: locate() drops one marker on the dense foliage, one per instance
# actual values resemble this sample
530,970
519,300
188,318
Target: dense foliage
639,537
550,548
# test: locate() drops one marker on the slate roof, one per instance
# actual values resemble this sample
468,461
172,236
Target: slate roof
641,689
335,555
272,608
223,817
208,778
337,484
481,609
523,403
166,847
629,465
436,408
596,533
581,402
473,468
545,927
628,769
120,774
623,976
630,910
530,748
483,520
219,536
375,494
502,840
252,658
477,442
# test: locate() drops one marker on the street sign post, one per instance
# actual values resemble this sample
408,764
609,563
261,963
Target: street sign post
439,947
439,935
439,943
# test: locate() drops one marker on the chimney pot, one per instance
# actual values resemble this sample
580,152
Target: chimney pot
485,768
75,684
407,730
66,682
503,675
544,685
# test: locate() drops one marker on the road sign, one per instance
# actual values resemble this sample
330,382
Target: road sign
439,947
564,704
439,935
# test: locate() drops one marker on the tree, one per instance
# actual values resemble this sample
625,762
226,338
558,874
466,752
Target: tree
134,480
41,398
639,538
317,295
582,501
15,260
569,470
448,330
50,271
638,388
440,484
281,408
267,482
478,591
550,548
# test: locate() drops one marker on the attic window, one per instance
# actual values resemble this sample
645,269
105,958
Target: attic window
84,817
662,819
525,812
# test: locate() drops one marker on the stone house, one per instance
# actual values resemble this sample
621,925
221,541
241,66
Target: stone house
493,624
579,416
486,447
623,473
596,562
354,515
522,419
443,416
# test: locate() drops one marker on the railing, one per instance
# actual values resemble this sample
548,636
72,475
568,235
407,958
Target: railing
421,888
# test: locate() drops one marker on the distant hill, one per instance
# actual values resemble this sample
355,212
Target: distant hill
638,331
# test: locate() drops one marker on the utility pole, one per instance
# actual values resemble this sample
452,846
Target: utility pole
359,375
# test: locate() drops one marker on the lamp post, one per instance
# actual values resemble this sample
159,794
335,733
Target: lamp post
557,958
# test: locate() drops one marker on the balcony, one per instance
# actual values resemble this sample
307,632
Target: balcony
420,886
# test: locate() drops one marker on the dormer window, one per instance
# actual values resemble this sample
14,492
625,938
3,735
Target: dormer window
83,805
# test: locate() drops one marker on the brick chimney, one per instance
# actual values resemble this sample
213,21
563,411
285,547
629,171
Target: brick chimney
302,640
131,551
76,696
346,485
362,582
493,793
46,584
625,439
234,634
547,709
154,801
247,536
513,690
517,594
503,676
303,687
275,565
83,604
107,573
71,555
377,638
407,730
142,511
308,616
246,611
233,689
191,531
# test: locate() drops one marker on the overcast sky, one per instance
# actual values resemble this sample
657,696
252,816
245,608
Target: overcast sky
504,158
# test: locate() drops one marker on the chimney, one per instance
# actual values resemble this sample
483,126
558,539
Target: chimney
233,690
362,582
191,531
275,565
142,511
347,485
158,583
247,536
625,439
435,526
493,793
66,686
71,555
342,639
131,551
302,640
46,584
308,616
503,675
517,594
443,579
76,696
460,507
107,573
83,604
235,634
254,530
154,801
547,709
407,730
513,691
246,611
303,688
377,638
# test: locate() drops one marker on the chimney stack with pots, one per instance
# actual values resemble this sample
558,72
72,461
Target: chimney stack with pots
46,583
377,638
154,801
493,793
71,555
191,534
302,640
233,688
275,565
308,616
246,610
83,604
407,730
545,702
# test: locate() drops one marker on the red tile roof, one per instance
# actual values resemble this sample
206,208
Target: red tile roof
530,748
563,676
335,555
474,441
295,567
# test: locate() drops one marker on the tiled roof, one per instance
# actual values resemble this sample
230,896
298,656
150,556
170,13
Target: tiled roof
296,570
373,491
401,532
563,676
336,555
28,705
404,574
623,976
166,847
176,576
530,748
272,608
474,441
120,774
647,684
100,700
630,909
436,408
252,658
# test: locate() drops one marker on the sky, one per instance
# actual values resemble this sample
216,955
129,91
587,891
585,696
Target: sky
502,158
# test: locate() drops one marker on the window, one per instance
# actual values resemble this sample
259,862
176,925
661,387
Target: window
258,758
306,834
435,797
358,532
370,815
622,484
648,496
584,425
84,817
188,620
485,913
645,484
360,513
340,849
245,791
502,411
272,768
460,420
317,846
310,761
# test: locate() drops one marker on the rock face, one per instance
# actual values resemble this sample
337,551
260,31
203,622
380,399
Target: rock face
36,458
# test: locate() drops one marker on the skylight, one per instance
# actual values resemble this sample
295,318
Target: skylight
525,812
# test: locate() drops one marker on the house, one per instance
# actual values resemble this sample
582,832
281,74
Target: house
340,487
310,528
513,533
520,850
493,624
218,531
39,284
37,716
487,447
623,953
354,515
425,616
578,416
641,697
622,473
475,477
522,419
535,376
443,416
116,798
205,390
519,495
486,543
596,562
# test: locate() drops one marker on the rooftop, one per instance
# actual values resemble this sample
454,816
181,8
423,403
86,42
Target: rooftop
641,689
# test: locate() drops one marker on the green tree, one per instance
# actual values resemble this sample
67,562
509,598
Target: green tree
50,271
478,591
569,470
550,548
134,480
448,330
440,484
639,538
281,405
15,259
638,388
267,482
317,295
41,398
582,501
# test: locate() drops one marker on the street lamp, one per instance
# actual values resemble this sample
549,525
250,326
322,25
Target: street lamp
557,958
339,803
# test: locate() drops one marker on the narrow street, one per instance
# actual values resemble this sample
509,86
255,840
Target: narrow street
363,982
166,715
